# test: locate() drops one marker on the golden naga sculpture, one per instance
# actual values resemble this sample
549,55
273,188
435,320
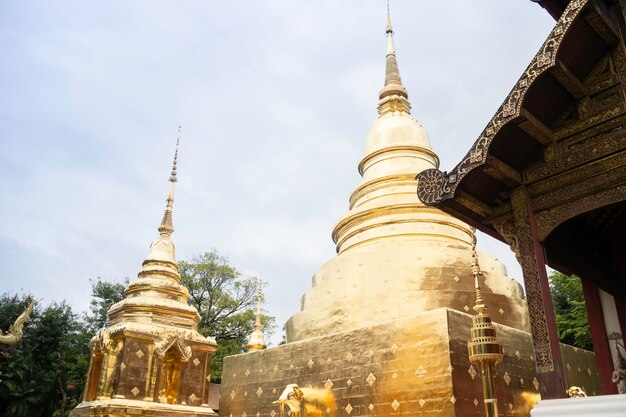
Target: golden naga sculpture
303,402
14,335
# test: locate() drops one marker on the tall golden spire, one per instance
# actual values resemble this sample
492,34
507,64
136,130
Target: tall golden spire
485,350
393,96
479,307
257,341
158,287
167,227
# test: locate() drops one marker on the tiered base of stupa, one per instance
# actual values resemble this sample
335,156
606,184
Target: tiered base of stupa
417,366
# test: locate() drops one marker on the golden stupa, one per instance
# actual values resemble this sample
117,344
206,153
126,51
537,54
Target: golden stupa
396,256
384,329
151,360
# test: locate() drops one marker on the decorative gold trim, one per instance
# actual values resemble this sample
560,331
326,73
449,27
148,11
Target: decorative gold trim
395,222
378,197
420,149
379,183
374,239
550,219
365,215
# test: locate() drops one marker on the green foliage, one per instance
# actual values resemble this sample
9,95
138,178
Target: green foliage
103,295
226,303
569,307
45,374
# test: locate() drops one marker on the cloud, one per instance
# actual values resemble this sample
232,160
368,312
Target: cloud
275,99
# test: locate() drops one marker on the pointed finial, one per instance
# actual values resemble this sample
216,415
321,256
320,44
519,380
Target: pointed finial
257,324
480,307
484,348
257,341
166,227
173,177
393,96
389,28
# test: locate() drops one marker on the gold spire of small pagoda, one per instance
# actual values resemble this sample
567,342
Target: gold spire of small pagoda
393,96
257,341
157,288
152,340
167,226
485,350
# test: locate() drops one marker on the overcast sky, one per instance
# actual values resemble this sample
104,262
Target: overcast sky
275,98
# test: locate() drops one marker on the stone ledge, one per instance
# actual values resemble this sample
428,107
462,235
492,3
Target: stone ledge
599,406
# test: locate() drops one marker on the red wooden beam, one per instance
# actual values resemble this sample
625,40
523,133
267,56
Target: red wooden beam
601,348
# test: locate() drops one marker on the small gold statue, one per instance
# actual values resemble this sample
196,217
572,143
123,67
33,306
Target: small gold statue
306,402
576,392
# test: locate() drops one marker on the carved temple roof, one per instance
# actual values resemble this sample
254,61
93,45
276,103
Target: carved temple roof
559,133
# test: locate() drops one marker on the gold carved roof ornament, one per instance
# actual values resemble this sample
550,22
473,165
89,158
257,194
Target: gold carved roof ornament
257,340
483,346
393,96
173,340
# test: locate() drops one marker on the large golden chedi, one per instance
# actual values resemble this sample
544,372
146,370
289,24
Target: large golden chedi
151,360
396,256
384,329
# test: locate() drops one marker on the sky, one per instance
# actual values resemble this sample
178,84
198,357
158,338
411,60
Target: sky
275,99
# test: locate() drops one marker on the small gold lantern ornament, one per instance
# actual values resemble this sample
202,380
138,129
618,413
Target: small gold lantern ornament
485,350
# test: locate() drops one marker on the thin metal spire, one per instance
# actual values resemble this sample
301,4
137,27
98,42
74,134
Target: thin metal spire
257,323
480,307
393,96
257,341
166,227
173,177
389,28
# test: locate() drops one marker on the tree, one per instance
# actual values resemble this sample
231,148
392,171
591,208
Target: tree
45,375
226,303
103,295
569,307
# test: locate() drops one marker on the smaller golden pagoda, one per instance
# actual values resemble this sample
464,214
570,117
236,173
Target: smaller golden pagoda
257,341
151,360
485,350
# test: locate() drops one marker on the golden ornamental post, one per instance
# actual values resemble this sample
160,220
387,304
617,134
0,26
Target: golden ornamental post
485,350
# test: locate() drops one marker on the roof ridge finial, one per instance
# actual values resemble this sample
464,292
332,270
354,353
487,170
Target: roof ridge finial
166,227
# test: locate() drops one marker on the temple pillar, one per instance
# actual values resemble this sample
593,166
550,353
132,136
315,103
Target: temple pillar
206,378
601,347
150,377
89,381
548,359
